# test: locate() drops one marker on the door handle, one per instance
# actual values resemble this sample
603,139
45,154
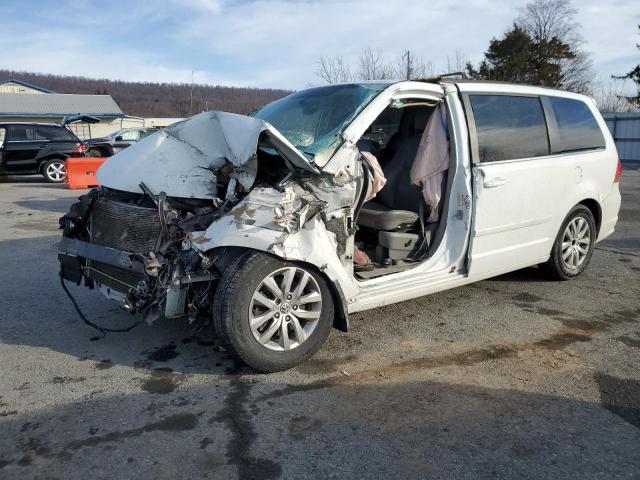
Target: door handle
494,182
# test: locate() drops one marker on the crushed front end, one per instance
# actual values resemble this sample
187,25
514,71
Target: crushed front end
175,209
134,248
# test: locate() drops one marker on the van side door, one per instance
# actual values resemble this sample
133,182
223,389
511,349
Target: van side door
514,182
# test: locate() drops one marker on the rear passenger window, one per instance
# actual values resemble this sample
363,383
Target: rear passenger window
509,127
20,133
56,133
577,126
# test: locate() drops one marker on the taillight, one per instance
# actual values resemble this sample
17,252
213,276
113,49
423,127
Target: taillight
616,178
80,149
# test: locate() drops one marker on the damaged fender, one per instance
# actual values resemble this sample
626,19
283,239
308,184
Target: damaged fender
288,224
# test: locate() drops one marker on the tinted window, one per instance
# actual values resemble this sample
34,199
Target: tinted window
20,133
509,127
55,133
579,129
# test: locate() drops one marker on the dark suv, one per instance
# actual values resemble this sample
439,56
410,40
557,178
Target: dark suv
31,148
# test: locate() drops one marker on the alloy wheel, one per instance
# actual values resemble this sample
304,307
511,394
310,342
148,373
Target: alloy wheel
285,309
575,243
56,171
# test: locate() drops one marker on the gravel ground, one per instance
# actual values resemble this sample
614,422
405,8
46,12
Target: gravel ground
515,377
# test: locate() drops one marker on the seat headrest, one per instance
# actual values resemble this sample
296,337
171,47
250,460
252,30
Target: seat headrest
414,120
421,118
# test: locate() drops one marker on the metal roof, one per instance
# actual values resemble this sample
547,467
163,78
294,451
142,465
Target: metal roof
57,105
26,84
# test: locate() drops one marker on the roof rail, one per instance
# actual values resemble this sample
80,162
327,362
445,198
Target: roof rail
438,78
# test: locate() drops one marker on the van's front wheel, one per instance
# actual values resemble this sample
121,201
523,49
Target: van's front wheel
573,246
272,314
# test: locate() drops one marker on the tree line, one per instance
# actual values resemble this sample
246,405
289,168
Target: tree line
543,46
147,99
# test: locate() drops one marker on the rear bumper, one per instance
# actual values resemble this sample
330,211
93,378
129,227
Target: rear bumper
610,209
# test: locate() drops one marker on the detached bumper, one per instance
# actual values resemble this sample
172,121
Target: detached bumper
118,258
77,256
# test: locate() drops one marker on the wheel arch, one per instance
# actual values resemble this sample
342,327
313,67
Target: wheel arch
47,159
225,255
595,209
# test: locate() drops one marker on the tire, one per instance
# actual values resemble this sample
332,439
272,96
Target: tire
567,259
54,171
239,298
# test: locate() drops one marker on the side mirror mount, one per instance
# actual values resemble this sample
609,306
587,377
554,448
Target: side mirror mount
119,138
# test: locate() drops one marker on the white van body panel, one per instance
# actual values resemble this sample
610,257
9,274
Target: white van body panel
519,205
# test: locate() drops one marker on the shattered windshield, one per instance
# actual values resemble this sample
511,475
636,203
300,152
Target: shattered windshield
313,119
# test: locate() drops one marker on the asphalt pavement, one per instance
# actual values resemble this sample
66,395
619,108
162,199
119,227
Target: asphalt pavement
513,377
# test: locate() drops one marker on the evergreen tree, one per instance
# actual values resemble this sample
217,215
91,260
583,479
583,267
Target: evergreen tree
517,57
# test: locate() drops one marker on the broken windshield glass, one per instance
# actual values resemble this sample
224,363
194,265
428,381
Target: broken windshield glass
313,119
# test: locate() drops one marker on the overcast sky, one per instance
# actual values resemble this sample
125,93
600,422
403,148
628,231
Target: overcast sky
275,43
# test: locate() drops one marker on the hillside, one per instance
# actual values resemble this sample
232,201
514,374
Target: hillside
146,99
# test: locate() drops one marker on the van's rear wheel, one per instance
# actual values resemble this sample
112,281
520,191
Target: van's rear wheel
272,314
573,246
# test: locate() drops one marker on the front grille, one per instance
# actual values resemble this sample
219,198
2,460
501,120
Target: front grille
125,227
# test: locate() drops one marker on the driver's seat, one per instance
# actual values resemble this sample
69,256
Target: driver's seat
395,208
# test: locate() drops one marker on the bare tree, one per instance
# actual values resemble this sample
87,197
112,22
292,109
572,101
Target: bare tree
409,66
333,70
373,66
457,63
611,97
545,20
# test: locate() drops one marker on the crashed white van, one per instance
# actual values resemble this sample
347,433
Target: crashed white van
274,227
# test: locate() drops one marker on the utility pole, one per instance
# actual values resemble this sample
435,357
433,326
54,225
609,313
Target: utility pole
408,55
191,99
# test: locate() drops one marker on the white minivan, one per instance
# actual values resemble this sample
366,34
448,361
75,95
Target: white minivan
274,227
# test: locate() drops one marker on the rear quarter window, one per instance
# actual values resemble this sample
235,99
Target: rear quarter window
509,127
56,133
577,127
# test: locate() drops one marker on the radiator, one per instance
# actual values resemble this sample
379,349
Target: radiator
125,227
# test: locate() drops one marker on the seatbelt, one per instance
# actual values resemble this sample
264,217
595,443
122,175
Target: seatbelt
424,247
443,122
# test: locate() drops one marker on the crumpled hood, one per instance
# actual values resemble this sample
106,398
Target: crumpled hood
182,160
